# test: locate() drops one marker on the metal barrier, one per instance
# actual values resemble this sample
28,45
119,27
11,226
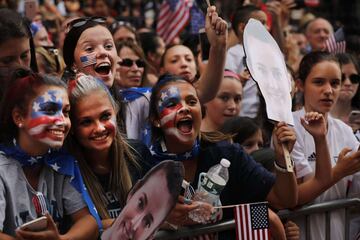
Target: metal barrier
306,211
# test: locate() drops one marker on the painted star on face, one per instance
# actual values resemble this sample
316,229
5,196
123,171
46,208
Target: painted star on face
187,155
36,106
32,161
173,90
57,95
163,96
47,97
55,167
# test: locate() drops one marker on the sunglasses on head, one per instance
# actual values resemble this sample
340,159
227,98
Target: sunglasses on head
78,22
354,78
117,24
127,62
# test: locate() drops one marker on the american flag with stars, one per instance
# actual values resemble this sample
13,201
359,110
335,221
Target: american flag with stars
252,221
173,17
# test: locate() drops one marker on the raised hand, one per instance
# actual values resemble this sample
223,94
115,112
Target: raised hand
215,27
283,134
347,164
315,124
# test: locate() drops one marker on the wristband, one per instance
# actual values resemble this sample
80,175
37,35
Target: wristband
281,168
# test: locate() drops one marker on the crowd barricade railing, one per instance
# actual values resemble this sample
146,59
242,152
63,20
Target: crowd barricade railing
306,211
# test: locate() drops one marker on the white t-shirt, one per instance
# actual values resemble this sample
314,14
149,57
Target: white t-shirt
339,136
234,62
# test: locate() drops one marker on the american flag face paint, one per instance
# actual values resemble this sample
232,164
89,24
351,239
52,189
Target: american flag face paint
47,122
174,107
87,60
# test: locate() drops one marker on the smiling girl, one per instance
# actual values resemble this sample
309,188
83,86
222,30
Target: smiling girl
34,119
109,163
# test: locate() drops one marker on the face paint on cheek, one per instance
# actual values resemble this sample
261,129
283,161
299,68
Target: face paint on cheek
111,125
87,60
47,121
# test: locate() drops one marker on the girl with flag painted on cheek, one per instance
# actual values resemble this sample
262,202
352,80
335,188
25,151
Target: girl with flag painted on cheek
48,123
38,176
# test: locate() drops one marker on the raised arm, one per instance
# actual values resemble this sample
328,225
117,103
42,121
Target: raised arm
315,124
284,193
210,80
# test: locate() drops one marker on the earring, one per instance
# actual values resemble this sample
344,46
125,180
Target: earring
157,125
20,125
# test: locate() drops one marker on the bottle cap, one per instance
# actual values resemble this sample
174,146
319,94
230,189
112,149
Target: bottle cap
225,163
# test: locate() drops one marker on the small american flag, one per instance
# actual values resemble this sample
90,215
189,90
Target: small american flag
197,19
252,221
87,60
336,43
173,17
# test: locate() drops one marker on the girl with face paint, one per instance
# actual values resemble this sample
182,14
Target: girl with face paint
109,163
175,114
36,171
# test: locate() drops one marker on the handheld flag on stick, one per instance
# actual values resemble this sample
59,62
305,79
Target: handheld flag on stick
173,17
336,43
252,221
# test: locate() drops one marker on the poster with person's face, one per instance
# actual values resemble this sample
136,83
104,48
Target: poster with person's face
266,65
148,204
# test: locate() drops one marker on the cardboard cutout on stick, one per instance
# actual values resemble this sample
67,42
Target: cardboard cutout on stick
266,65
148,203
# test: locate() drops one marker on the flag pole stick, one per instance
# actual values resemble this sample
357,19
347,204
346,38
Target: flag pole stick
227,206
208,3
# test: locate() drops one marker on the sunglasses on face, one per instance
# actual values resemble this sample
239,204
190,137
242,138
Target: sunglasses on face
127,62
82,21
354,78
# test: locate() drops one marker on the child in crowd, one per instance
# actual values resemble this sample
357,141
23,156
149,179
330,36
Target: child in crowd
109,163
37,176
225,105
175,114
326,150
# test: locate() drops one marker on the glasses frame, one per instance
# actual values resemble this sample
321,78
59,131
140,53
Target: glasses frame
78,22
117,24
137,62
354,78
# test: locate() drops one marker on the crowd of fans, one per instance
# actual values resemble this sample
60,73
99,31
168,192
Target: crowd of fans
92,98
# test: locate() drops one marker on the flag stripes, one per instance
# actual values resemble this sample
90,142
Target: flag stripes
173,17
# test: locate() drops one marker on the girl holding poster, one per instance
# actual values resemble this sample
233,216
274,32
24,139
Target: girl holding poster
175,114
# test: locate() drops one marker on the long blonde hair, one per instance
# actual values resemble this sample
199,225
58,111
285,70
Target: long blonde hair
121,153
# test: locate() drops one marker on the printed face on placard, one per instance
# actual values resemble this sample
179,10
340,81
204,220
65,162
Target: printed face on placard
267,66
48,117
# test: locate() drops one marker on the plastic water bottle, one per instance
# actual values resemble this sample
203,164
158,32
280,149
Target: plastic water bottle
209,188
